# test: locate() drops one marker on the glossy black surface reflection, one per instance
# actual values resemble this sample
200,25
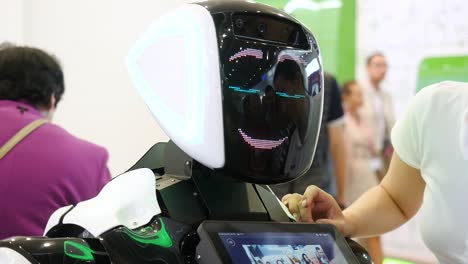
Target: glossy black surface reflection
67,250
272,95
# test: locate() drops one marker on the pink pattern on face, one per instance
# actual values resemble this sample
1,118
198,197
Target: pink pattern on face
261,143
297,59
247,52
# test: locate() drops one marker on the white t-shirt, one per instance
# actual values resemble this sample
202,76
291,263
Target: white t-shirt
431,136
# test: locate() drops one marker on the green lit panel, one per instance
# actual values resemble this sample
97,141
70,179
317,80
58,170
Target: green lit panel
333,23
148,235
437,69
396,261
78,251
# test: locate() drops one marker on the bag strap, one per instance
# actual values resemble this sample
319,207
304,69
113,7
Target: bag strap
20,135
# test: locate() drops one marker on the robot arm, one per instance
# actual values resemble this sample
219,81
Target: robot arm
128,200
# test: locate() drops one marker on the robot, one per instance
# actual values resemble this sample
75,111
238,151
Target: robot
242,111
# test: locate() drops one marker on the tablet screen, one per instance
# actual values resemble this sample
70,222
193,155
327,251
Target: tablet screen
281,248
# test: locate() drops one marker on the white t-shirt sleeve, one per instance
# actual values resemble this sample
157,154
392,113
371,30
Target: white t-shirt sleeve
407,133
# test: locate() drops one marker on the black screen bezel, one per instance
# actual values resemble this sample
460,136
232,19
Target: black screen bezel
282,22
214,228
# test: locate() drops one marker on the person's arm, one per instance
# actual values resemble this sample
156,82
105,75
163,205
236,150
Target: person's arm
388,205
379,210
338,154
398,197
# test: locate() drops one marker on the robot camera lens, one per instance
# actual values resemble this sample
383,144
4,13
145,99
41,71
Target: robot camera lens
262,28
239,23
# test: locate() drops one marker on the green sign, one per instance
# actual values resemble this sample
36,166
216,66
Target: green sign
333,22
437,69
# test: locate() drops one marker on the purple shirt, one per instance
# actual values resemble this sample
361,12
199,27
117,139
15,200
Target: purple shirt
47,170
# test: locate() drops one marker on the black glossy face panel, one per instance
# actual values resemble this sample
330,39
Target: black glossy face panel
272,85
272,81
45,250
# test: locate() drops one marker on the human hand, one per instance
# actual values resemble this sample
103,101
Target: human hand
316,206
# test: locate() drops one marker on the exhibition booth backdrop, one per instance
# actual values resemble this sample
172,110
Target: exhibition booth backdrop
425,41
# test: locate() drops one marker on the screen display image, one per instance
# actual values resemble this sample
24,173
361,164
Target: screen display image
281,248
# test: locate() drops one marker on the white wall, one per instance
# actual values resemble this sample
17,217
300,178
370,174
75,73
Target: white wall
92,39
11,21
406,32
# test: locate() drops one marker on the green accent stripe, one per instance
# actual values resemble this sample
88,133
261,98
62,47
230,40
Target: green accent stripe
161,238
86,253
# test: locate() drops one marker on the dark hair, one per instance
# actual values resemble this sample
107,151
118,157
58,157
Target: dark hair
373,55
31,75
346,90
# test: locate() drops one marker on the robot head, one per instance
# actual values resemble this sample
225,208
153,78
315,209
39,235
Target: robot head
237,85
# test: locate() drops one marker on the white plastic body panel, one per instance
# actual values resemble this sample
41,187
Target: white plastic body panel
9,256
128,200
175,68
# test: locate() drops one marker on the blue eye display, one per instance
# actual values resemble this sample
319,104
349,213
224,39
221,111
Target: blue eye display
296,96
253,91
243,90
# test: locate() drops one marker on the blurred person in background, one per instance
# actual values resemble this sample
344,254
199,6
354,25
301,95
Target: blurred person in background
377,111
42,166
360,150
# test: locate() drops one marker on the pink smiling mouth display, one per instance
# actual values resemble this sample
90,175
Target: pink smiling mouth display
261,143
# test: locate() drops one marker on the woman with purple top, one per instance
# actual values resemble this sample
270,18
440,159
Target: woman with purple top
42,166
